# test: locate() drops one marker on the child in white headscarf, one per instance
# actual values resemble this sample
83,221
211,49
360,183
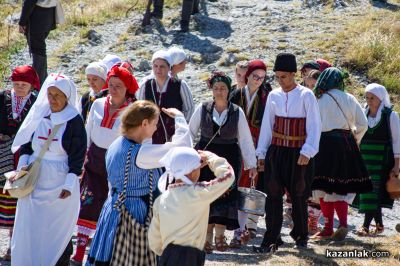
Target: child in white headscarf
380,148
181,241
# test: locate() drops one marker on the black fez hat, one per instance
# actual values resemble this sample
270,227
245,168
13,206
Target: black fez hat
285,62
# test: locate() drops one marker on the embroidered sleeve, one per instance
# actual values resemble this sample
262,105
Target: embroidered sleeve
225,177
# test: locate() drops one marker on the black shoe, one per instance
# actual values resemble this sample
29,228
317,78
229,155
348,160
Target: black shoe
184,26
279,242
265,249
301,244
157,15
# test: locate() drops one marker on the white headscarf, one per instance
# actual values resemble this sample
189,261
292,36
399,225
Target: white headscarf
98,69
162,54
178,162
110,60
380,92
177,55
41,108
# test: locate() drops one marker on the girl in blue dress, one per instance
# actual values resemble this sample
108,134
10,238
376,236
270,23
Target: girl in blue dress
138,123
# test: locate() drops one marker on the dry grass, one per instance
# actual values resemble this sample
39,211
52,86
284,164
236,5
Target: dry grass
79,13
376,52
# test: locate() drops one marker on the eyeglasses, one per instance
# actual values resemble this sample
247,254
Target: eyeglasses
257,77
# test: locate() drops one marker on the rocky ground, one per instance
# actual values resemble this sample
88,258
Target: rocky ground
224,32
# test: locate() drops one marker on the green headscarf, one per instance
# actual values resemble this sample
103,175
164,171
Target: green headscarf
330,78
219,76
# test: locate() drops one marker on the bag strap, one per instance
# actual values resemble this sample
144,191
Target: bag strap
337,103
150,212
122,195
48,142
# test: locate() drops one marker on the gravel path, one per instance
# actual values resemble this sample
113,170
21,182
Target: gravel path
217,34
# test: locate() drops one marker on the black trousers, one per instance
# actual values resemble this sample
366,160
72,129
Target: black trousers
282,172
188,7
37,47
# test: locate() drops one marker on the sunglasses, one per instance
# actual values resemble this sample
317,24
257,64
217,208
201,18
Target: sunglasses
257,77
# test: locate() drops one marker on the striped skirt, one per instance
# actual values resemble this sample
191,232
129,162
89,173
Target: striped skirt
8,204
103,241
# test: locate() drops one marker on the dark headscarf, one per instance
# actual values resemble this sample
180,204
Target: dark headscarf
311,64
219,76
330,78
323,64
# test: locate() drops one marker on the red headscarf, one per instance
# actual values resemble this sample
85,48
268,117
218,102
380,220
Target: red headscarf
126,77
254,65
323,64
27,74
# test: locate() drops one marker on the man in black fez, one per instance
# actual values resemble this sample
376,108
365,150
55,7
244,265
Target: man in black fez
289,140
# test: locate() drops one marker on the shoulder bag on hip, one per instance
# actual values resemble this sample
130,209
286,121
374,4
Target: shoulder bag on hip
20,184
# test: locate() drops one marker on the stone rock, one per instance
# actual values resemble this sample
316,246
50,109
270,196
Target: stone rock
94,37
143,66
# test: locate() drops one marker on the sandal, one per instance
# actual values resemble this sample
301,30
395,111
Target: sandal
220,243
340,234
253,233
324,234
245,237
208,248
378,230
235,243
363,231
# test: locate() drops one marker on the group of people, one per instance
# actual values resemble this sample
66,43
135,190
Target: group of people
128,143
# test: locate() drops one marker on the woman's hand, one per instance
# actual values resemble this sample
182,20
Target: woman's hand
253,173
172,112
64,194
203,158
303,160
260,165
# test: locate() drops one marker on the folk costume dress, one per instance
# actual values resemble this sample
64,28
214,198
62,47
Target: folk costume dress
181,241
340,171
291,126
379,147
254,109
44,223
102,130
13,110
233,142
145,158
176,94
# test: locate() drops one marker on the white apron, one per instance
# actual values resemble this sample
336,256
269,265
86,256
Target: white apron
44,223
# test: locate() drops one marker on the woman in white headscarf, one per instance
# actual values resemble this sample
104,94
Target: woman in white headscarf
96,75
181,241
46,218
380,148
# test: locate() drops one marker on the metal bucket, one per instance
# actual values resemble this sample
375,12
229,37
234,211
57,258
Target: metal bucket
252,201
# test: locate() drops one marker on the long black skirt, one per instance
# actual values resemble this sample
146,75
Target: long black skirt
224,210
339,167
174,255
